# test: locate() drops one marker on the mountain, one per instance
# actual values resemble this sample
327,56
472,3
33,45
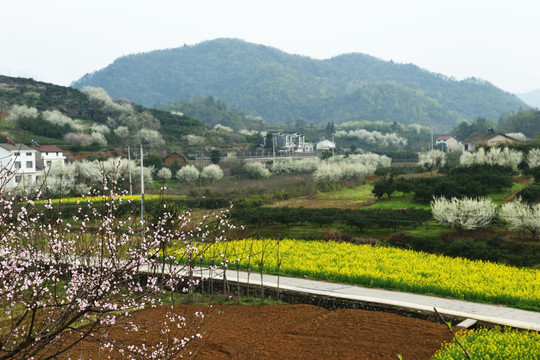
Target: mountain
264,81
531,98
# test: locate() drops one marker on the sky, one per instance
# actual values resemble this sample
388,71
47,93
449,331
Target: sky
59,41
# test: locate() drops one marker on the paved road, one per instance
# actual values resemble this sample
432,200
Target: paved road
495,314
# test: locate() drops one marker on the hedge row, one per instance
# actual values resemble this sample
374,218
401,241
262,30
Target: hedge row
360,218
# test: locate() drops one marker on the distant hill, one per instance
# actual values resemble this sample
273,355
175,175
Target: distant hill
264,81
531,98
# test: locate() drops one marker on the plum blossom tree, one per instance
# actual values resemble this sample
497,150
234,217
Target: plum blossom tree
256,170
463,214
431,160
187,174
211,173
494,156
520,215
21,112
164,174
64,279
533,158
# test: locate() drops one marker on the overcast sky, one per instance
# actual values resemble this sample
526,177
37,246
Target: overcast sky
59,41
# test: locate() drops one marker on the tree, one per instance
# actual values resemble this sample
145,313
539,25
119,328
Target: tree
431,160
66,278
187,174
520,215
463,214
533,158
215,156
383,187
211,173
164,174
256,170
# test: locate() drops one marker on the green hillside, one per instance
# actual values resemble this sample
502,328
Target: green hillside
53,114
263,81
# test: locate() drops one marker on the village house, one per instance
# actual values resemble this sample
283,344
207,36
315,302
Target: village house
492,138
173,157
290,143
18,164
50,155
449,142
23,165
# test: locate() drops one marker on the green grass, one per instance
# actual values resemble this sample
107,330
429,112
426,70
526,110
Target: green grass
502,195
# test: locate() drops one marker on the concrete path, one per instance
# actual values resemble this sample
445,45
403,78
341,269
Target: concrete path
494,314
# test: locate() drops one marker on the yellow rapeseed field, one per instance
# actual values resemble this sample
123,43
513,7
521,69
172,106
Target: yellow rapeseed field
496,343
384,267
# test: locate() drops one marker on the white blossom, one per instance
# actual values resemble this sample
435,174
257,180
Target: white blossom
17,112
256,170
187,174
211,173
533,158
465,214
164,174
520,215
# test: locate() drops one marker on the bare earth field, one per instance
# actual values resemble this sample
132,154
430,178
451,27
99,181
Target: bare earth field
291,332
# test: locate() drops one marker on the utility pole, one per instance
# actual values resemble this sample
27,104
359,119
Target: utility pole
142,190
129,171
274,151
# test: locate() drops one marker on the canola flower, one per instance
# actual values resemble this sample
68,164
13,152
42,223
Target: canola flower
507,344
383,267
93,199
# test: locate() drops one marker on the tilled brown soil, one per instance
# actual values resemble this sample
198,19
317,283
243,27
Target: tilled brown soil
287,332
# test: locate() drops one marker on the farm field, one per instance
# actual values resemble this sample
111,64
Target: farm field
382,267
298,332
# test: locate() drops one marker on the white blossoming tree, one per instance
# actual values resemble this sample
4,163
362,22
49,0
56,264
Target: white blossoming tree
520,215
463,214
164,174
211,173
256,170
533,158
21,112
431,160
187,174
494,156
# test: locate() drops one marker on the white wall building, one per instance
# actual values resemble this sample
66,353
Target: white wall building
22,165
50,155
19,165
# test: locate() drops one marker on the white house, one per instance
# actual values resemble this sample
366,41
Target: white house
325,145
291,143
50,155
19,165
449,141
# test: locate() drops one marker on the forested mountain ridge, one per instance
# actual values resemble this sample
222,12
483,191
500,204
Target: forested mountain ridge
280,87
